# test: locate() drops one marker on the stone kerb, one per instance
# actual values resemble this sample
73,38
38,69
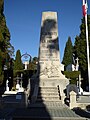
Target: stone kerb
18,100
72,100
77,103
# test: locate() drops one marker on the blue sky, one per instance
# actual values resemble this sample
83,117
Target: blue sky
23,18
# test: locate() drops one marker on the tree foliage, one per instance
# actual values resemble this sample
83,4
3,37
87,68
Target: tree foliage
5,45
18,62
6,49
33,64
80,48
68,53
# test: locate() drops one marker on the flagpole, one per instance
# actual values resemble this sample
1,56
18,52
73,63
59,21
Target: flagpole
87,51
85,12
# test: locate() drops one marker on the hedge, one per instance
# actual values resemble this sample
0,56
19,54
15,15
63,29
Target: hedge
72,75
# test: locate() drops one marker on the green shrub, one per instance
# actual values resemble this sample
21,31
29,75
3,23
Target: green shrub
1,79
72,75
17,72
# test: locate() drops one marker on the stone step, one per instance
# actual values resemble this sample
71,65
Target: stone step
48,95
48,99
47,118
48,90
46,104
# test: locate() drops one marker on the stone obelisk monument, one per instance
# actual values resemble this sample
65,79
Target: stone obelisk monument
49,71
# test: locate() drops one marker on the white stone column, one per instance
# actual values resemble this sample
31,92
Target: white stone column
77,64
26,65
72,100
7,87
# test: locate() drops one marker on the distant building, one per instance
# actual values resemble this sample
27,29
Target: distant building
70,67
73,67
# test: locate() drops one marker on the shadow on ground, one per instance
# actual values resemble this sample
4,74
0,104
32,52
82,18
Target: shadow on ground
81,112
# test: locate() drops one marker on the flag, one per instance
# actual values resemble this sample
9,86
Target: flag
84,7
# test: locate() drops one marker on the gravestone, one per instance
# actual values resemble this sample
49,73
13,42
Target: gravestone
26,63
49,71
77,64
7,86
17,85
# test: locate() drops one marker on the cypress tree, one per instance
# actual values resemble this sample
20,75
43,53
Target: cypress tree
80,50
1,69
18,62
68,53
6,49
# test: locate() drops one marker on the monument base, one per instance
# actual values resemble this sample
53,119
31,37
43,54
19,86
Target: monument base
52,82
48,84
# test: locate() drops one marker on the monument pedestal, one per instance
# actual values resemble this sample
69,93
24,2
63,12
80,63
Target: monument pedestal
62,83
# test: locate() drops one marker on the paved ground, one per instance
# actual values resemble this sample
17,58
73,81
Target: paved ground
6,113
83,99
46,110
